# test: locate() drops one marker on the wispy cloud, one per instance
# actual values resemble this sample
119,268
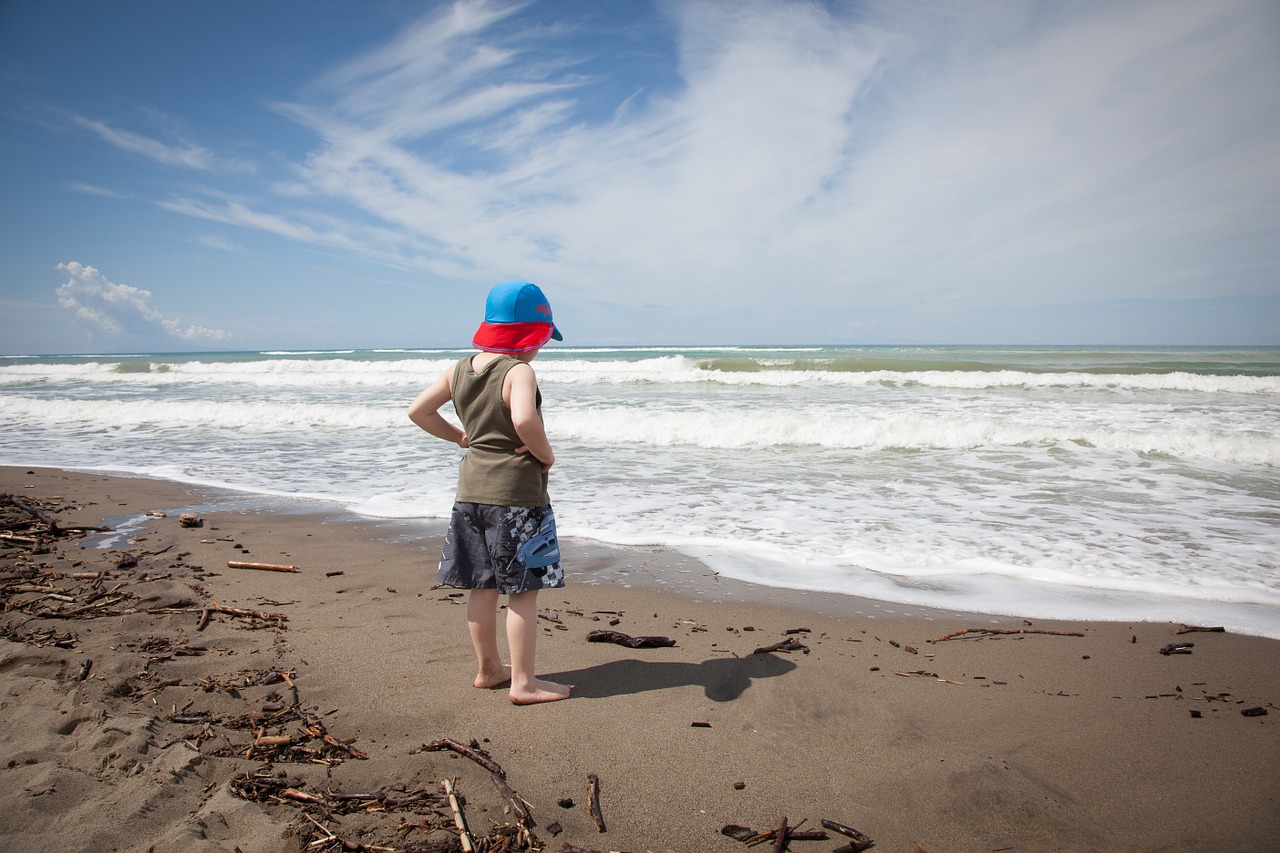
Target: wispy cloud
91,189
872,155
184,154
121,312
220,242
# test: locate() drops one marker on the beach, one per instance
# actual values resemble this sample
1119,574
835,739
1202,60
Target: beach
1055,736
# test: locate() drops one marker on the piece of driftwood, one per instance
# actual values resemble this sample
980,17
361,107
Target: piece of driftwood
650,642
991,632
788,645
593,800
459,819
859,841
515,804
276,618
477,755
780,836
262,567
302,796
1177,649
36,513
1191,629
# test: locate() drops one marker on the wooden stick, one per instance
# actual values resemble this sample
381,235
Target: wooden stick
516,804
39,514
475,755
860,841
1191,629
263,567
248,614
593,799
780,839
459,819
994,631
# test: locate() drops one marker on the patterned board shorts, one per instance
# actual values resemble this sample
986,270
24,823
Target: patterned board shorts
504,547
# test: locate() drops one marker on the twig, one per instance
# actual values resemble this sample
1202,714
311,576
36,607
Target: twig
986,632
780,838
593,799
860,841
262,567
459,819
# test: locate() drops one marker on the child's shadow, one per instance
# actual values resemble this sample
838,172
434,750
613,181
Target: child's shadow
723,679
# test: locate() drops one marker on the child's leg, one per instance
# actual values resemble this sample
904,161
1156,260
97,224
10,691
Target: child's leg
522,638
482,623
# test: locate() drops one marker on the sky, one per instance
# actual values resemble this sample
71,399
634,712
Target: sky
317,174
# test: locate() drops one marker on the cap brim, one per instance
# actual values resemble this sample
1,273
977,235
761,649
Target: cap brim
513,338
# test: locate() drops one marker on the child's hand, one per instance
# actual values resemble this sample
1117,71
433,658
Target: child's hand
464,442
546,466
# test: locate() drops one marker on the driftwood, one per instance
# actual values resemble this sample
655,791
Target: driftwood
36,513
859,841
275,618
622,639
780,836
515,804
991,632
459,819
262,567
1177,649
593,800
1191,629
789,645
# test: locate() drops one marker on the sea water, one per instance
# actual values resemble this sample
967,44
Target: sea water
1049,482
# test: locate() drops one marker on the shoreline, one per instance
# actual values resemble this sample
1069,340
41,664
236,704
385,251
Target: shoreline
643,567
1019,742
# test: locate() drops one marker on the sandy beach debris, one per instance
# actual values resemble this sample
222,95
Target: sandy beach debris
621,639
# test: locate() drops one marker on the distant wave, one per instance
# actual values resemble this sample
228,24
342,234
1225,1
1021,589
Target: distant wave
717,429
675,369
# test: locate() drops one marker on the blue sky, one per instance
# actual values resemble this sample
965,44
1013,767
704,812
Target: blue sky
323,174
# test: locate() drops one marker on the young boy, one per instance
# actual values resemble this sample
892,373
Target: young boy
502,537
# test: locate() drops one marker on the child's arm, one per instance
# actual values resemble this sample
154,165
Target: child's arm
523,401
425,412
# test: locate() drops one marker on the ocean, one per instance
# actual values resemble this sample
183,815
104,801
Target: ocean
1126,483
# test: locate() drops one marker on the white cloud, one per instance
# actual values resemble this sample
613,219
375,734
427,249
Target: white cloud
1010,152
187,155
220,242
121,311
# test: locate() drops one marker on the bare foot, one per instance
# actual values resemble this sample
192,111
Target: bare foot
540,691
487,680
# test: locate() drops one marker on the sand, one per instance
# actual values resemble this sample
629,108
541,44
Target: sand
1017,742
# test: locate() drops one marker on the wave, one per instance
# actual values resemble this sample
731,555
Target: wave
718,429
676,370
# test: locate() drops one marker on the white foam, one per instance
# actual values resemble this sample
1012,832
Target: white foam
1046,494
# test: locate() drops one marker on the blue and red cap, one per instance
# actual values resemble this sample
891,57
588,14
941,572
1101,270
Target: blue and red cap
517,318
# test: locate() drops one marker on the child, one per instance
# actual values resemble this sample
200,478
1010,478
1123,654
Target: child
502,536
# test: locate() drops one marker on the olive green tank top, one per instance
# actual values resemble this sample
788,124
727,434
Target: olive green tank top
492,472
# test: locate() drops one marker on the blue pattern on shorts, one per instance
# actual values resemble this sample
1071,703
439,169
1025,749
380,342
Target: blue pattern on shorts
481,549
